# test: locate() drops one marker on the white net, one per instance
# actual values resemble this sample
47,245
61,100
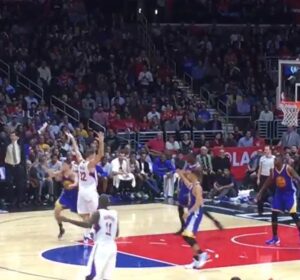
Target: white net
290,114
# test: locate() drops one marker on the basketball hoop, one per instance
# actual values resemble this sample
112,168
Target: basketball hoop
290,112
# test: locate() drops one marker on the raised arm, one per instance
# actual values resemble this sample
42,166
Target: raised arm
75,146
100,152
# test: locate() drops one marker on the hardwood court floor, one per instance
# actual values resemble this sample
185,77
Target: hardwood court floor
146,243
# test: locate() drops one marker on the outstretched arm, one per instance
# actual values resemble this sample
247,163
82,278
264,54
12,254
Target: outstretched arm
100,152
93,220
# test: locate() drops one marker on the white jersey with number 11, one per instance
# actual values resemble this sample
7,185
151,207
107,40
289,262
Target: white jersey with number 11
106,232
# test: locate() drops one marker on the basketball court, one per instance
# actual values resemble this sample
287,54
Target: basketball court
147,247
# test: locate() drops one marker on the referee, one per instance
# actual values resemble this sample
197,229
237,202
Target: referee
266,163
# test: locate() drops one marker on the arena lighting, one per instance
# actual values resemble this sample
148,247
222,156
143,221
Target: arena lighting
156,12
140,10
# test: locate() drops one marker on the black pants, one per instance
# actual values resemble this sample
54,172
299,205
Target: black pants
265,194
17,178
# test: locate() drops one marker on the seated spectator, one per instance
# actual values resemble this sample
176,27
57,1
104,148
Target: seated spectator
186,144
145,77
163,171
172,124
218,141
120,170
100,116
171,144
156,146
246,141
145,179
223,187
153,113
221,162
243,107
214,124
65,123
144,125
252,168
203,113
199,124
112,140
230,141
185,123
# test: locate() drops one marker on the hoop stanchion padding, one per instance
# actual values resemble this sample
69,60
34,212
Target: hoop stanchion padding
290,113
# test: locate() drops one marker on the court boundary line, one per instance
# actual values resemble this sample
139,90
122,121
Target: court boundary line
30,274
233,240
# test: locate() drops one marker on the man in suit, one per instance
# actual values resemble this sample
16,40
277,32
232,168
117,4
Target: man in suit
15,161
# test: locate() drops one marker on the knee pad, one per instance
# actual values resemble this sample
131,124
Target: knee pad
189,240
274,217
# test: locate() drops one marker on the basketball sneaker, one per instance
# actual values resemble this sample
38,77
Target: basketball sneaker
203,257
274,241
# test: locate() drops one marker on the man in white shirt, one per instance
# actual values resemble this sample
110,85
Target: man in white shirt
153,113
266,115
121,171
145,77
45,73
266,163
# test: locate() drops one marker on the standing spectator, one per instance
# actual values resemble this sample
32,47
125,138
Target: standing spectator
44,73
246,141
15,161
266,163
203,113
145,77
290,138
266,115
243,107
205,161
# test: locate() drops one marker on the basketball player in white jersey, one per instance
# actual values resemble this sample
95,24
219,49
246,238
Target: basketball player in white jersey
87,202
102,259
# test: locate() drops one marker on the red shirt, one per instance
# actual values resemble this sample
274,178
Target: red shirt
156,145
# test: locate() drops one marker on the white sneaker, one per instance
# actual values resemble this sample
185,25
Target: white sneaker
192,265
203,257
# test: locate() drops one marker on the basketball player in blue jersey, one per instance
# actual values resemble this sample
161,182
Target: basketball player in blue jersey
193,217
284,199
183,193
68,198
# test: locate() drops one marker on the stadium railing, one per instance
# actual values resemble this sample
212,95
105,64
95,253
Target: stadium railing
5,69
24,82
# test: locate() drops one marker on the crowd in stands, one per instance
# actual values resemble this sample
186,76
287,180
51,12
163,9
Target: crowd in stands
98,67
230,62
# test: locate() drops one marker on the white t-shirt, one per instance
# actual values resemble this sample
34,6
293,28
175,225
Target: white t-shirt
266,163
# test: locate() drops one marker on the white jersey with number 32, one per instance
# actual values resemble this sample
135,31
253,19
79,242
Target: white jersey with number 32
106,232
87,180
